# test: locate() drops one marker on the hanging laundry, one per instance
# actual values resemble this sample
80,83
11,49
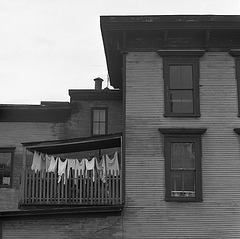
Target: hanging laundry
62,170
43,163
53,164
37,162
48,161
101,167
112,164
80,166
70,165
90,165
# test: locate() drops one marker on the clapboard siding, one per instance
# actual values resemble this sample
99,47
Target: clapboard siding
147,215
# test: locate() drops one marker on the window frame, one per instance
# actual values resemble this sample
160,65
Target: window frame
106,119
236,54
181,61
184,136
10,150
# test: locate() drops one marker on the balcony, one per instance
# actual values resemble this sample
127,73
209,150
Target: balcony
43,189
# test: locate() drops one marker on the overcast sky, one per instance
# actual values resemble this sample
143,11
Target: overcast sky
50,46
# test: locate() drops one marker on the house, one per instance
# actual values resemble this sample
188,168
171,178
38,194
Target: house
173,118
180,81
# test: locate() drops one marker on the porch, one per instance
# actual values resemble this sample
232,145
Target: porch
86,189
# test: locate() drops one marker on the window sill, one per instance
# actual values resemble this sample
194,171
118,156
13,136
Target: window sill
182,115
180,199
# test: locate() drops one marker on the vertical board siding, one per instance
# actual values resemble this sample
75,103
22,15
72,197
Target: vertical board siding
147,214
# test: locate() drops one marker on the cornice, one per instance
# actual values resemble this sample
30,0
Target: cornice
187,52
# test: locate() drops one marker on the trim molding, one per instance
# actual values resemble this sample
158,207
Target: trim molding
183,52
195,131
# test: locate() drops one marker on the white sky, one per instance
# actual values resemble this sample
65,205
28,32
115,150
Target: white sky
50,46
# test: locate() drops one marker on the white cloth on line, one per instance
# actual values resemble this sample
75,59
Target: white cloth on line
90,165
53,164
112,165
62,170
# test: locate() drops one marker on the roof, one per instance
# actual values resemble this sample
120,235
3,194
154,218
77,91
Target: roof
122,34
76,144
105,94
46,112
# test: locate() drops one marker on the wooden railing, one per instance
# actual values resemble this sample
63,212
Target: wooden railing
42,188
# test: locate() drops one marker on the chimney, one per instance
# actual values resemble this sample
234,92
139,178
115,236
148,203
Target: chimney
98,83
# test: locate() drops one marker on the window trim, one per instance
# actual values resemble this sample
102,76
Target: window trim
10,150
181,61
183,135
236,54
181,57
106,119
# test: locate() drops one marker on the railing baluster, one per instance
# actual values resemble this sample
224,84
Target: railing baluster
33,187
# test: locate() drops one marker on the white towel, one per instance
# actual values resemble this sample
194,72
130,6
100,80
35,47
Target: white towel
53,164
70,165
90,165
112,164
37,162
101,167
80,166
62,170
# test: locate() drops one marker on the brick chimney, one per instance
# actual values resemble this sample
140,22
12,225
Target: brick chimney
98,83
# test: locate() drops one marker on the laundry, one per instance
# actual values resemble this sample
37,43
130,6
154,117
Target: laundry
53,164
80,167
90,165
101,167
112,165
37,162
48,161
70,165
62,170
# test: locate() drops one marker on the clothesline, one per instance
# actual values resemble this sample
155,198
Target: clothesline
50,163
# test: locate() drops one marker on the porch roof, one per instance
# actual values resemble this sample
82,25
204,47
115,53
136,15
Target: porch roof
76,144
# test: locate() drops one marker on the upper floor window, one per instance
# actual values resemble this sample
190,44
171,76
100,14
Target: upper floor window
182,150
6,160
236,54
181,82
99,121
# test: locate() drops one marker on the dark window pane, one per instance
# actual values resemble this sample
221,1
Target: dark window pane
183,184
182,155
188,155
189,181
187,101
176,155
181,101
176,181
175,77
175,101
186,77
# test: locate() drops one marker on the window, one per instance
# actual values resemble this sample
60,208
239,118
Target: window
6,159
182,151
181,82
99,121
236,54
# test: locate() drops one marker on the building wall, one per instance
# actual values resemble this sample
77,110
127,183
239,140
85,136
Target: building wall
77,125
64,227
12,135
146,213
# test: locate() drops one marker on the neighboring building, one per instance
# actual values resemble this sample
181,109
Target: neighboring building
174,120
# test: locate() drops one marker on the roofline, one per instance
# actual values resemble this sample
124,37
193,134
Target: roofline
105,94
